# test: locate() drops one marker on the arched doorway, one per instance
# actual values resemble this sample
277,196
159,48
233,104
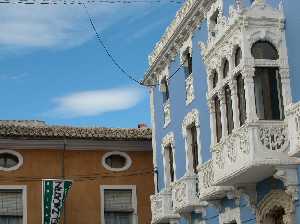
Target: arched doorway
276,208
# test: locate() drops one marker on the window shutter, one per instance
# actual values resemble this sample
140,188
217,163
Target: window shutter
11,203
118,200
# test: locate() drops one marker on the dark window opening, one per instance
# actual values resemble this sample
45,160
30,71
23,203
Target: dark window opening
276,216
215,79
165,90
194,147
238,56
188,64
8,160
116,161
268,94
264,50
214,22
241,99
229,110
171,162
218,119
225,68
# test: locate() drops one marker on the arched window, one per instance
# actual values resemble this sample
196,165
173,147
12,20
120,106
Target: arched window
241,99
229,111
188,63
238,56
215,79
264,50
225,68
192,130
218,118
268,89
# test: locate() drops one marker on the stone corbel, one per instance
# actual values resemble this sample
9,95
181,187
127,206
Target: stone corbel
289,177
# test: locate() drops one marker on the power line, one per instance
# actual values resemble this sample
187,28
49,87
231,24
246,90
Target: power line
79,2
114,61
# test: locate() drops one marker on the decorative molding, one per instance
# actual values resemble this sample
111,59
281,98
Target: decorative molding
168,140
189,89
167,113
274,200
274,138
14,153
122,154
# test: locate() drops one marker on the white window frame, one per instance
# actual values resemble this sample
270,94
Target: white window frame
123,154
119,187
23,188
15,153
168,140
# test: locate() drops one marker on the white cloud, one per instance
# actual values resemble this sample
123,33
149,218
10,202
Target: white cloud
92,103
53,26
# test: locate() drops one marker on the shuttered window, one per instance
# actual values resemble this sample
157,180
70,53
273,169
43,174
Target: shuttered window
11,207
118,206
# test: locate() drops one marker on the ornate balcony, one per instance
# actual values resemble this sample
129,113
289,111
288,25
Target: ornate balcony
207,190
185,195
161,208
293,117
252,153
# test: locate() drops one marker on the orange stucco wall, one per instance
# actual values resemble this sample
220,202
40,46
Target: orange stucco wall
85,168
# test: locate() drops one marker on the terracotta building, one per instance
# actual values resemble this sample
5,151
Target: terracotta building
111,169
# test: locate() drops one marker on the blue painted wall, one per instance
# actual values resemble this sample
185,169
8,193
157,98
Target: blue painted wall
179,108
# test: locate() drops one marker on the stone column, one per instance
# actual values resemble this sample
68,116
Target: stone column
286,87
212,114
248,75
221,95
235,103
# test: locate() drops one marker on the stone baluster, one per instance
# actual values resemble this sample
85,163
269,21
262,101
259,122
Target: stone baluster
235,103
221,95
248,75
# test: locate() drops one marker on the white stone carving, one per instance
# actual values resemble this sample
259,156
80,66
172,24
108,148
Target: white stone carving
167,113
168,140
274,138
189,89
274,200
185,195
230,215
293,117
161,208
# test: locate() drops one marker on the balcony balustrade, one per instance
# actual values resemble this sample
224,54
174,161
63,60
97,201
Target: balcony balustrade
293,117
251,153
185,195
162,207
207,190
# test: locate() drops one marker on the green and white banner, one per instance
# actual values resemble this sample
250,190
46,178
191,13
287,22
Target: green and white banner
54,195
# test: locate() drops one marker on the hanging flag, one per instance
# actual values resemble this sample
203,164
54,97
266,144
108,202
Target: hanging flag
54,195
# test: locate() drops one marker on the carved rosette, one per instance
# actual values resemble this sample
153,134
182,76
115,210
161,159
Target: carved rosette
274,138
189,87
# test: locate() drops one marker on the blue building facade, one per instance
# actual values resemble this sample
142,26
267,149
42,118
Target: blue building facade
226,122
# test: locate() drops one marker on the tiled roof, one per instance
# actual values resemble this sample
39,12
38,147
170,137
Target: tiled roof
38,129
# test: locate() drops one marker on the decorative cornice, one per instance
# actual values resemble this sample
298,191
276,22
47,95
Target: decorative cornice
187,19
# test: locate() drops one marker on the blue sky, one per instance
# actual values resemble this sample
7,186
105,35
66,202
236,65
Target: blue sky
53,69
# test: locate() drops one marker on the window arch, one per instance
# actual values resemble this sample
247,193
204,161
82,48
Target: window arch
238,56
225,68
264,50
214,79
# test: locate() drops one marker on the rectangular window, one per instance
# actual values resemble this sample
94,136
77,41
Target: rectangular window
229,111
241,99
218,119
119,205
194,147
11,206
169,150
188,64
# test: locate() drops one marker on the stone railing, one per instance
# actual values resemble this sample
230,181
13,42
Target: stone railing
185,194
293,118
189,88
162,208
261,144
167,113
207,189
